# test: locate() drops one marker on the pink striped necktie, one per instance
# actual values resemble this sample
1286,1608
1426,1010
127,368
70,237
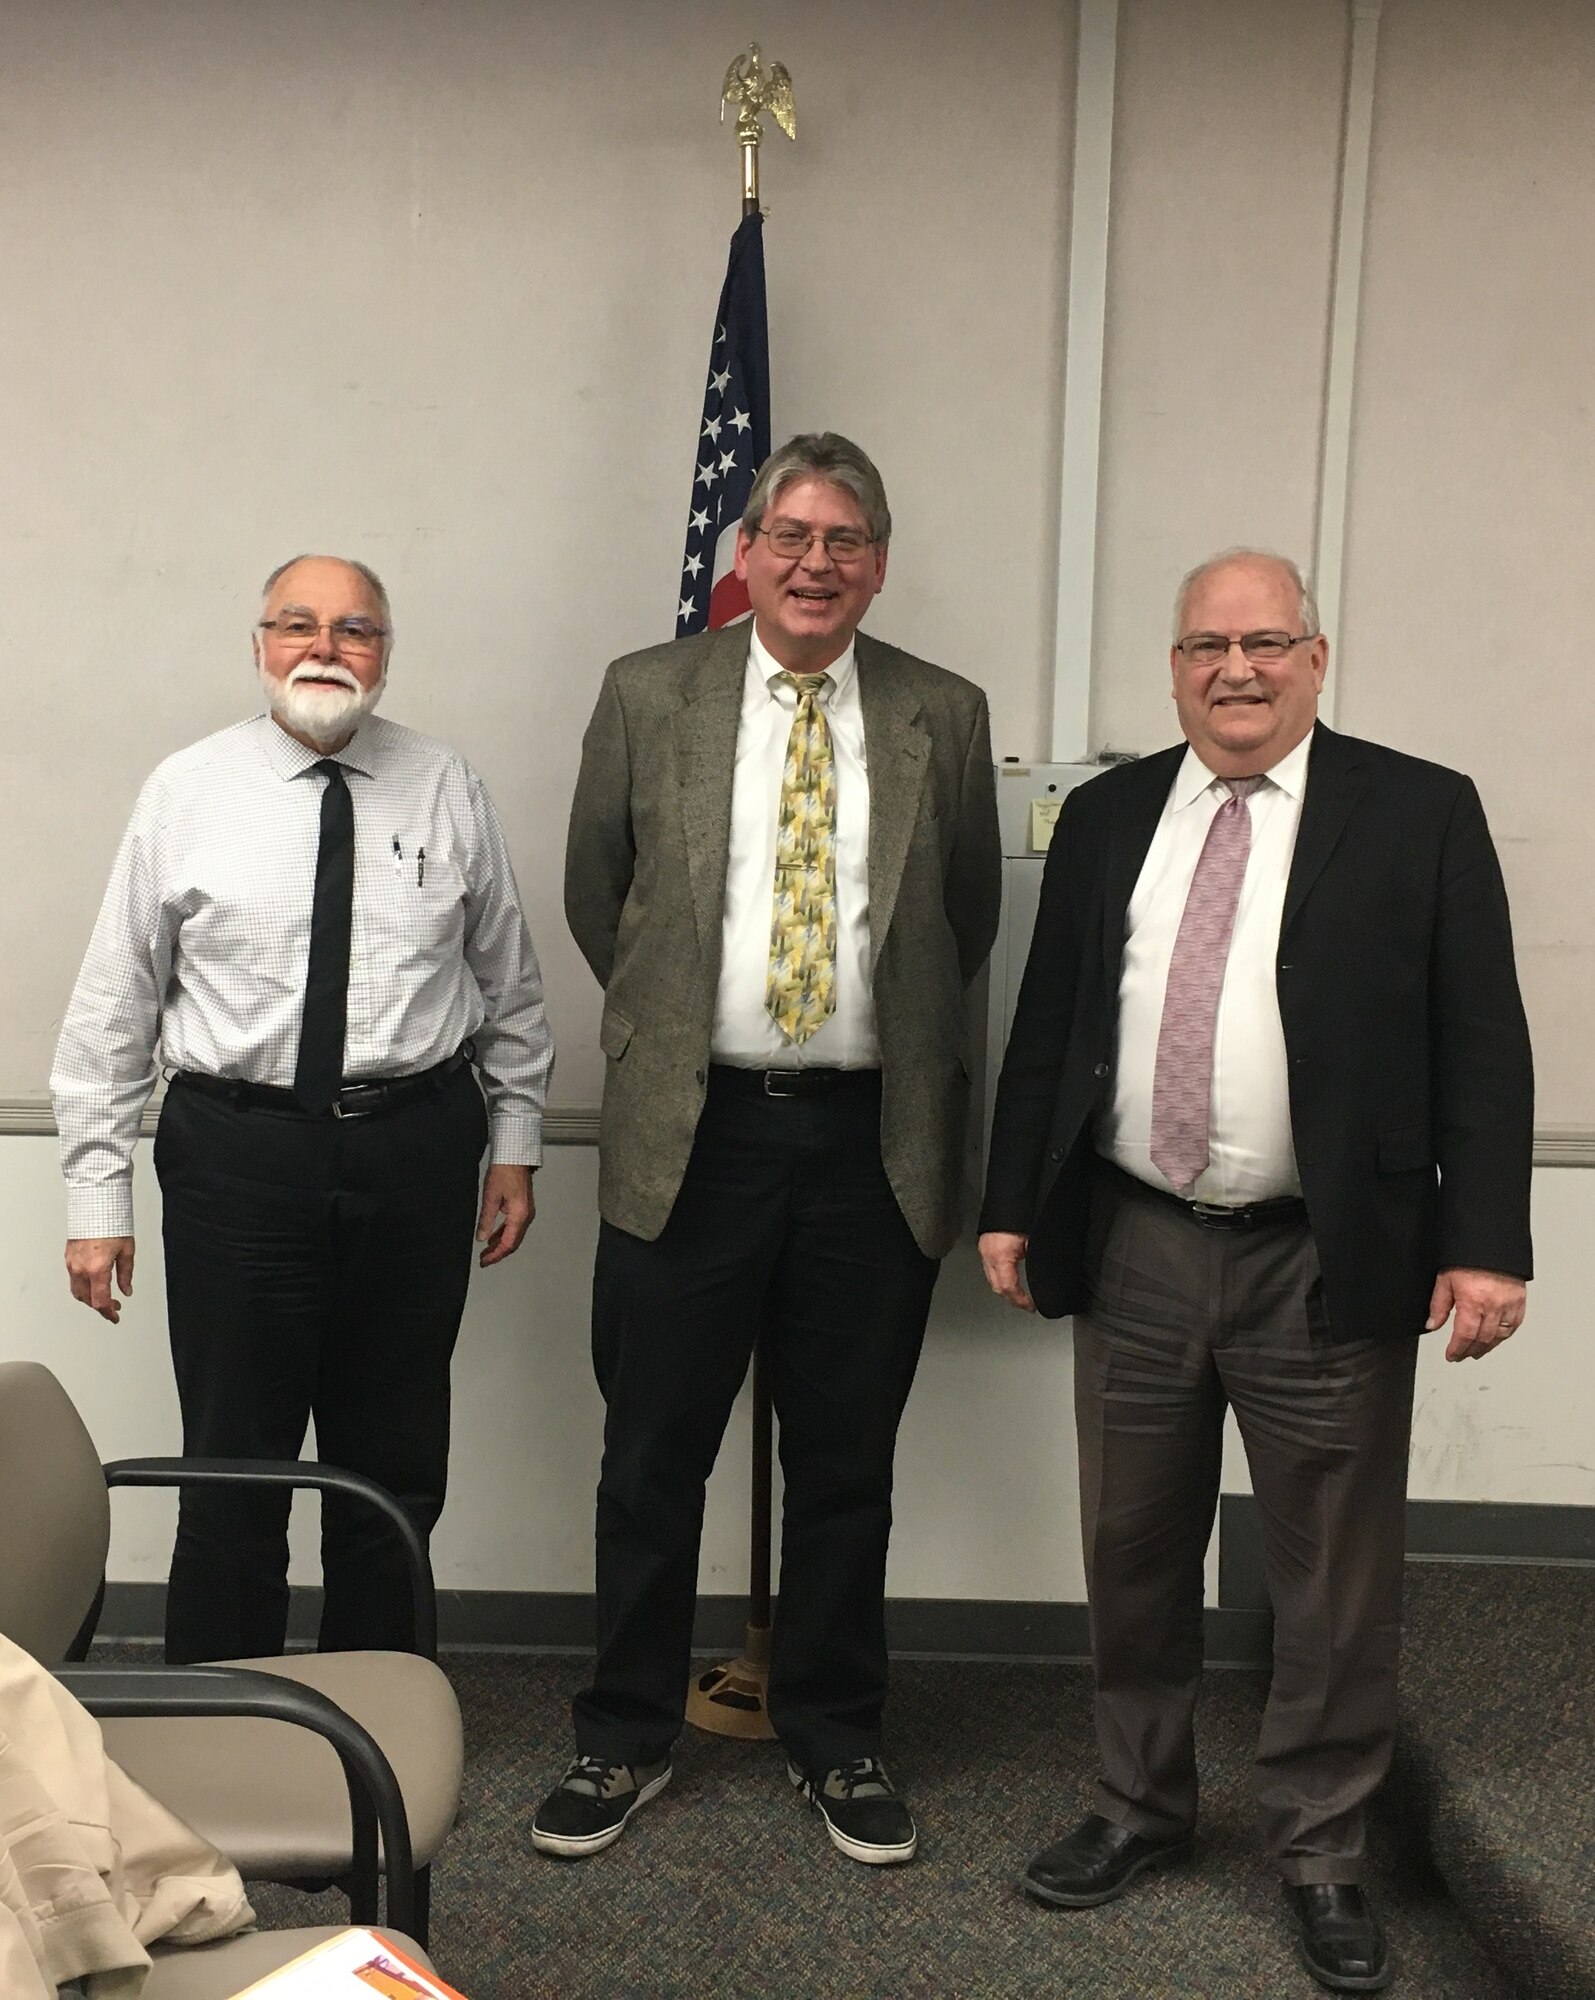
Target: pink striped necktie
1182,1081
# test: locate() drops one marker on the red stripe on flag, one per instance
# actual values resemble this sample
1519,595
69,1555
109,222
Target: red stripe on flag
728,602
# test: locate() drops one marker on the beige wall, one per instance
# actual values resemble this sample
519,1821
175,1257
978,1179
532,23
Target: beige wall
431,284
1472,502
1472,529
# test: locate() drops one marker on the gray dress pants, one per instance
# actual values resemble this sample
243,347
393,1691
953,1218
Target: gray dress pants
1186,1321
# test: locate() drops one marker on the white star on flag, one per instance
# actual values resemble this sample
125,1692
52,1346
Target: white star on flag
737,381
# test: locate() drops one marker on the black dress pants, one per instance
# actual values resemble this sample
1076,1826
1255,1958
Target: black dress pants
785,1221
314,1266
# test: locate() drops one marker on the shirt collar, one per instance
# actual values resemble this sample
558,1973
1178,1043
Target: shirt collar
1194,778
764,663
290,758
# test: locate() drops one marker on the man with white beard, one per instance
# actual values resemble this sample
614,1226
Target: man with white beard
313,926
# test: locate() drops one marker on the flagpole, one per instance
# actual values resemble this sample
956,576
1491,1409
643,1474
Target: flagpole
732,1699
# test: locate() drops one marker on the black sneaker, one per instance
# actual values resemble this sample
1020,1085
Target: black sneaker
591,1804
863,1814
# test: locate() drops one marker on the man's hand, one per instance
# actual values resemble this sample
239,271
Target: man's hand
507,1211
90,1261
1489,1309
1001,1255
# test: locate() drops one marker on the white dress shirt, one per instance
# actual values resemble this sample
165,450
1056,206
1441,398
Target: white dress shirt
199,956
1252,1157
744,1034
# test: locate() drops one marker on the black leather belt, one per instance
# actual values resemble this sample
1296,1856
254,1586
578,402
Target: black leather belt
791,1082
355,1100
1215,1215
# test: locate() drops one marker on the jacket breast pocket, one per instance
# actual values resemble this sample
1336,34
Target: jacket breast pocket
1407,1150
614,1034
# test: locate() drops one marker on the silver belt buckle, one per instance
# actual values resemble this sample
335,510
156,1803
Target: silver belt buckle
772,1075
363,1105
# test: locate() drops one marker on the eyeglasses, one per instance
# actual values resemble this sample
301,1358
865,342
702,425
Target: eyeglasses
788,541
1206,649
349,635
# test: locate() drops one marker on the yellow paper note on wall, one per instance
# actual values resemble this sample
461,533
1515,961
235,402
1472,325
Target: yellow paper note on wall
1043,818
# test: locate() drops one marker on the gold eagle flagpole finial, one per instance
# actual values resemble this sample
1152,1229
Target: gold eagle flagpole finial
754,89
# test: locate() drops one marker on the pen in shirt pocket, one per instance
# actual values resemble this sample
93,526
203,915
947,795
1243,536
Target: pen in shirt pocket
420,867
398,855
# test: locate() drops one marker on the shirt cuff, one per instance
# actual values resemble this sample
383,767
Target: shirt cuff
517,1139
100,1208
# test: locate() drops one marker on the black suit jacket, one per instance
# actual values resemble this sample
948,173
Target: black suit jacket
1411,1082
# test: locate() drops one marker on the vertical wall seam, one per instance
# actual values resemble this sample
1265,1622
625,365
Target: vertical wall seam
1345,309
1095,66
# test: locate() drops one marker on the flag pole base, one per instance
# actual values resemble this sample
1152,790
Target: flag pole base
730,1699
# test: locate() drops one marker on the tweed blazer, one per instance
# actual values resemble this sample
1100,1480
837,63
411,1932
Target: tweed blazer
645,875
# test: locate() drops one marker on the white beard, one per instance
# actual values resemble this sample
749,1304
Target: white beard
327,715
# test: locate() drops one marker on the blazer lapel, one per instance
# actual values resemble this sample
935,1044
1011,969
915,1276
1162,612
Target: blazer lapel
1146,790
898,749
706,750
1335,783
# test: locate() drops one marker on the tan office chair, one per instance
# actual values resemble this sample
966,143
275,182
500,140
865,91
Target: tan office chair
274,1799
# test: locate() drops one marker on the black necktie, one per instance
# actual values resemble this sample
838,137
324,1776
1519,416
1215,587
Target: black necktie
318,1073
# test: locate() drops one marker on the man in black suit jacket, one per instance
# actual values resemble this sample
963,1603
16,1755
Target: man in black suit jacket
1290,950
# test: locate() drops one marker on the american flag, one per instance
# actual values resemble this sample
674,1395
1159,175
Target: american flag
734,441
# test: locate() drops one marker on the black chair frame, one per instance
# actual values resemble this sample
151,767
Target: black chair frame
375,1803
306,1475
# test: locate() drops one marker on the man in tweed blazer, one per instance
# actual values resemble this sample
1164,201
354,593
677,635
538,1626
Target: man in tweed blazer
783,1119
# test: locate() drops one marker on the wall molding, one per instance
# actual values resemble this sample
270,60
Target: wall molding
577,1125
1238,1629
542,1621
1501,1531
563,1124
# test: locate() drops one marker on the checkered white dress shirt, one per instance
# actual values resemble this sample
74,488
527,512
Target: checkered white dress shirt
198,958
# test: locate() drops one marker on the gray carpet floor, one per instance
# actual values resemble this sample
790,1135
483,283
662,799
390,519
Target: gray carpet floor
726,1889
1496,1757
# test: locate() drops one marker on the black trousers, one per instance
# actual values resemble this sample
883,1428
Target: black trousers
314,1266
1185,1322
785,1220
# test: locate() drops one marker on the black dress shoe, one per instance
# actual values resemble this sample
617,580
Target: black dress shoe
1095,1863
1340,1942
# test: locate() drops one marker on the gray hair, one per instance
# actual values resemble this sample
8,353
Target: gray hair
363,570
821,455
1307,604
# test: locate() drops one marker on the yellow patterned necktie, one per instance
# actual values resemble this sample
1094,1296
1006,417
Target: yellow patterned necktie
800,993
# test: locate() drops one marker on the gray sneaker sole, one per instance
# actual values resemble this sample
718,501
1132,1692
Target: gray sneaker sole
1091,1899
577,1846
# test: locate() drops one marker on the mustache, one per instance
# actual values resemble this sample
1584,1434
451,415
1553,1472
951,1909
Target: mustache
328,670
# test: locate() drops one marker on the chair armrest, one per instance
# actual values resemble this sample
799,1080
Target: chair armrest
375,1801
311,1476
